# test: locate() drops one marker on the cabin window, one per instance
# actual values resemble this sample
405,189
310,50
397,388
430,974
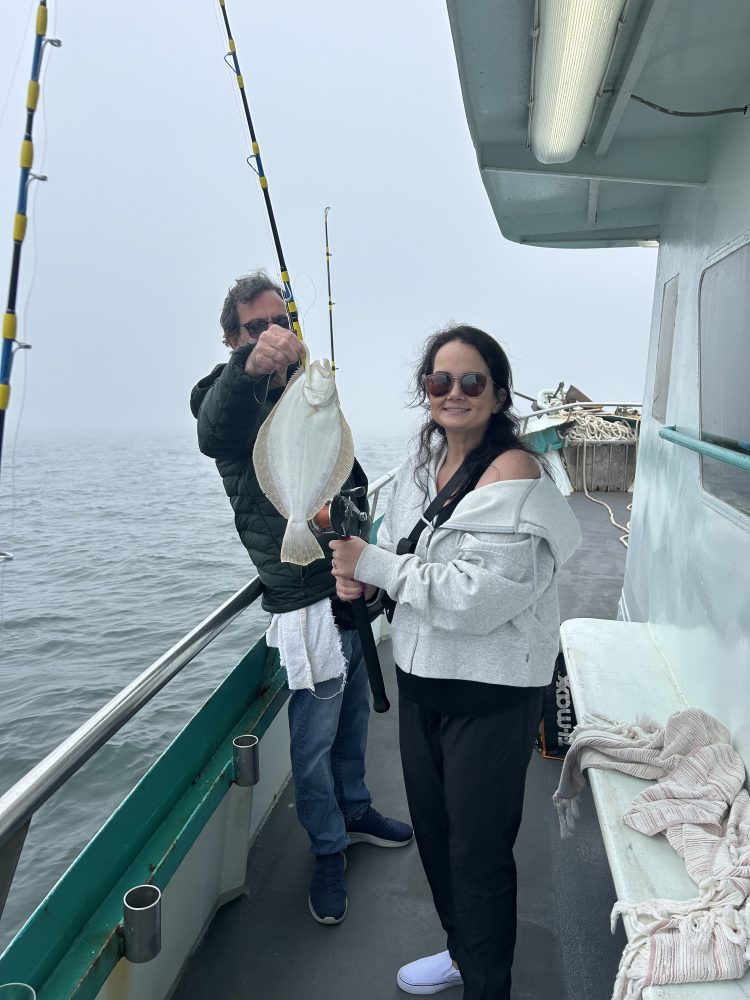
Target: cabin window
664,351
724,373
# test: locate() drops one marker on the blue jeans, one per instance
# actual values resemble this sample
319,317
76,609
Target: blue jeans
328,739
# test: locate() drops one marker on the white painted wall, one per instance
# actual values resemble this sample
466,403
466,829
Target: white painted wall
688,565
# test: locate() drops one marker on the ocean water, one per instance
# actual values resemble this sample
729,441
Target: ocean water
122,544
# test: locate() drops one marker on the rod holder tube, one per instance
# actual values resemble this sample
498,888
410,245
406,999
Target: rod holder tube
142,923
17,991
246,760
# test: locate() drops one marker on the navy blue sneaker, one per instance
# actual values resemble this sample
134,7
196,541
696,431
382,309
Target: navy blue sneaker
372,828
327,900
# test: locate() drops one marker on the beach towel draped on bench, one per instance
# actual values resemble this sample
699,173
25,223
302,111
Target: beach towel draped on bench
699,803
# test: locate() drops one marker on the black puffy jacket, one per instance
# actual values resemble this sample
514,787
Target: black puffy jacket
230,408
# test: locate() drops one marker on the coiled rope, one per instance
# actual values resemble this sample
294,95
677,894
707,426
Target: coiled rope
590,428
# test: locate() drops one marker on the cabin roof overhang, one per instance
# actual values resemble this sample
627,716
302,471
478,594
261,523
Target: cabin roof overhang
680,54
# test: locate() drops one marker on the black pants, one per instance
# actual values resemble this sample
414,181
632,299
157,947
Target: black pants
465,779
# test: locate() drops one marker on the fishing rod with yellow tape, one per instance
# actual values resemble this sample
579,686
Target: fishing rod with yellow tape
343,515
10,344
291,305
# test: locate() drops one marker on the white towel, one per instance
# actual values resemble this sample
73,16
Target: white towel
309,645
699,803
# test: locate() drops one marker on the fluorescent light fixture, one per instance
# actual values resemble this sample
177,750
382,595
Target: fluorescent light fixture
573,50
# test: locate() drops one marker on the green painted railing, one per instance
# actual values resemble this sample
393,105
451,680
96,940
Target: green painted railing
733,452
73,940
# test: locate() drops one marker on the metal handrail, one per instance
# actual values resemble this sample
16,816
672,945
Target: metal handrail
374,491
689,439
22,800
572,406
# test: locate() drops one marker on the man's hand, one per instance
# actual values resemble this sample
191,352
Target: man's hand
275,350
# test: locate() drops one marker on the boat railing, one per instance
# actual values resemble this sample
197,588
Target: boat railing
24,798
562,408
728,450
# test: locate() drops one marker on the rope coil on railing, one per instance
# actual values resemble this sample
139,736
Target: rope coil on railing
590,428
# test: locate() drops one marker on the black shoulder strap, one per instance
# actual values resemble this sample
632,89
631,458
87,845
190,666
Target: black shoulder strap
455,487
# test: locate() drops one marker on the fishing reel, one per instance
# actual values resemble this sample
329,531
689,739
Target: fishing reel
342,516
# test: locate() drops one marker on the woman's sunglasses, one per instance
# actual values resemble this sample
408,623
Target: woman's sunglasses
471,384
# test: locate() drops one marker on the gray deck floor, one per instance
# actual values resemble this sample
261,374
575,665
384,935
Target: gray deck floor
266,946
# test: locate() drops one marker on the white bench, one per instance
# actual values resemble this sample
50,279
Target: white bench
617,670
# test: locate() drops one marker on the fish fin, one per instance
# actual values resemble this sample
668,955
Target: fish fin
264,468
299,545
341,470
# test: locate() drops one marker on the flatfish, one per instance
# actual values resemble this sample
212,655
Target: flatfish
303,455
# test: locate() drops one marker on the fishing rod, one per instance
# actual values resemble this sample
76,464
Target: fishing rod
346,519
10,344
370,653
291,305
330,300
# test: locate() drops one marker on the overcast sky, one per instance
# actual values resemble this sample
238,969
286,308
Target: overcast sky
151,211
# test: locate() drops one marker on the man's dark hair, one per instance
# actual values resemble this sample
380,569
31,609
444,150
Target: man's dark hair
246,289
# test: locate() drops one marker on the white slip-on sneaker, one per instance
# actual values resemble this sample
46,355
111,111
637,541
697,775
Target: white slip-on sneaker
429,975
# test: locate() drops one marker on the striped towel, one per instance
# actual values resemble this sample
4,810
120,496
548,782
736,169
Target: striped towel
699,803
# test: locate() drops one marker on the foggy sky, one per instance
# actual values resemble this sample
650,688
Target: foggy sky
151,211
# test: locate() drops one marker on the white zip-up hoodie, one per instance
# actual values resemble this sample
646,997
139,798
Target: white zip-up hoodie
478,598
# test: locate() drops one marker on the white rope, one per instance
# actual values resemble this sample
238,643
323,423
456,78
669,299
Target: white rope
590,428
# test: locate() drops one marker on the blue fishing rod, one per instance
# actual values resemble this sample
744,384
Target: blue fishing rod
10,344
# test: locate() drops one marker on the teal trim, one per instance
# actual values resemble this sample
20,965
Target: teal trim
71,943
542,441
688,439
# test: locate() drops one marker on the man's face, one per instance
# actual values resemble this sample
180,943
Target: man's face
267,306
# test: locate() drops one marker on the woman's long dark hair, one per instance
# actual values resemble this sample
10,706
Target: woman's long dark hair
503,429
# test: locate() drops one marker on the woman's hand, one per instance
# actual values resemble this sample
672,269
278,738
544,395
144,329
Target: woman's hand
346,553
349,590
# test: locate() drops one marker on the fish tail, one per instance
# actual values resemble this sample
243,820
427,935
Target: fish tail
299,545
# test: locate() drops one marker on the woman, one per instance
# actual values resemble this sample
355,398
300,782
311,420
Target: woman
475,636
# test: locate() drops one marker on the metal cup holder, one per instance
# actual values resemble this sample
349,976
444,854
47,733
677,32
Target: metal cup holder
17,991
142,923
246,760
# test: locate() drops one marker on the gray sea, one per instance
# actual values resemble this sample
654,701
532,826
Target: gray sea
121,545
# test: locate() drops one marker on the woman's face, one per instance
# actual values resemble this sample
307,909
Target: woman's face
457,412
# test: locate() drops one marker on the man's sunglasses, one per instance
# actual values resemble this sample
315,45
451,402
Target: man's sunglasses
257,326
471,384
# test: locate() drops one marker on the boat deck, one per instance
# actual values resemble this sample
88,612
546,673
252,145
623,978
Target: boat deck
266,946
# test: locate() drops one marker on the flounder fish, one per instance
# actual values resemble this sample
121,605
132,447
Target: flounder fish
303,455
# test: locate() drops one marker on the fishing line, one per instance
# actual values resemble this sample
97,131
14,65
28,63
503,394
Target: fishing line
330,697
328,278
21,50
297,278
265,391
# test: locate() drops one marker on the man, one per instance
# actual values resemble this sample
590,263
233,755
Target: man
328,727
